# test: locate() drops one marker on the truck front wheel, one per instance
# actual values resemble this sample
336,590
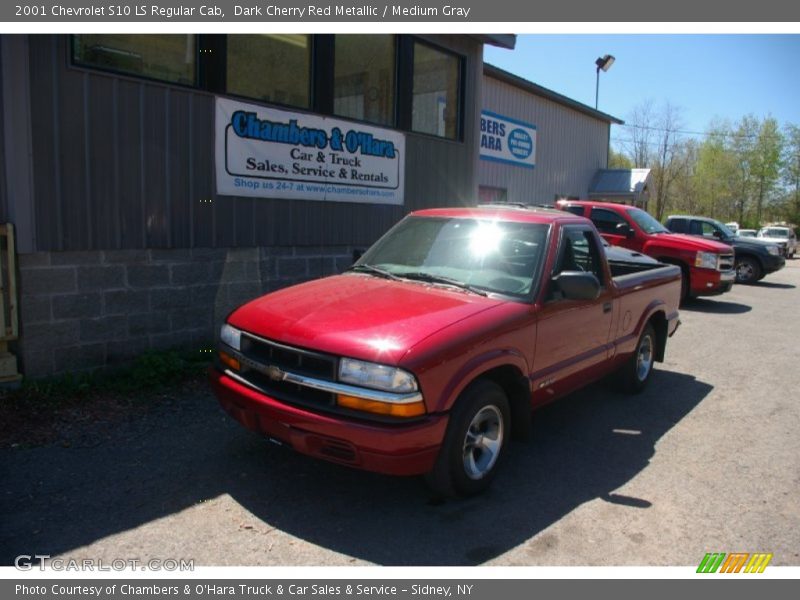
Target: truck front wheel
474,442
747,270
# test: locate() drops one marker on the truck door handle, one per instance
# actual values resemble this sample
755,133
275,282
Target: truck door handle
607,307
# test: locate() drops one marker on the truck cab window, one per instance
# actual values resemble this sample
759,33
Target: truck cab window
575,210
580,252
606,221
678,225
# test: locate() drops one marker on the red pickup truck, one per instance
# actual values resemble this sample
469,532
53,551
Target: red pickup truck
439,341
707,266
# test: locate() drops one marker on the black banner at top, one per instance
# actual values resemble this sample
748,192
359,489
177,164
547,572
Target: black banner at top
399,11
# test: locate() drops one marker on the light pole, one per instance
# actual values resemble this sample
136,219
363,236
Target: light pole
604,63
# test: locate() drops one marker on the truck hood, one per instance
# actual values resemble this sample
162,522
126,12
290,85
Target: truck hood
751,243
358,315
690,242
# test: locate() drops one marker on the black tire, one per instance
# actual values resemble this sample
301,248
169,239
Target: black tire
748,270
686,286
474,442
636,372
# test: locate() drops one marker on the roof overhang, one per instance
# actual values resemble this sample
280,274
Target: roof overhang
501,40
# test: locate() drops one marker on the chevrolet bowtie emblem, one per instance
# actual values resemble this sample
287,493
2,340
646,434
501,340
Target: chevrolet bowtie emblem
274,373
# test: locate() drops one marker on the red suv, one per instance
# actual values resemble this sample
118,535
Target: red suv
706,265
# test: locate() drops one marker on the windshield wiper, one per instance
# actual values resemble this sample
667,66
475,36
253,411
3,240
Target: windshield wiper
364,268
431,278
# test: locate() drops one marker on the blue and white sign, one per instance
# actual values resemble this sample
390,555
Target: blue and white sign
271,153
507,140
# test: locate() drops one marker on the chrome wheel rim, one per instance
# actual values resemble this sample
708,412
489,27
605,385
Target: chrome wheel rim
644,358
483,442
744,271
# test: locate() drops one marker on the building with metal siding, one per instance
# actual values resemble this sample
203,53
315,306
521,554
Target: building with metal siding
572,142
124,244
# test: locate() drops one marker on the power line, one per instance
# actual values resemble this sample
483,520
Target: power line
636,142
688,132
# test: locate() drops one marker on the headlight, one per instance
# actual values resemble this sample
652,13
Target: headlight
375,376
706,260
230,336
774,250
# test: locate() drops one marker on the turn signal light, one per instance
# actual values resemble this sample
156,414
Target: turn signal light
229,361
410,409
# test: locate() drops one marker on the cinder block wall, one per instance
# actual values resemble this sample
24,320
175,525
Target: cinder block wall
81,311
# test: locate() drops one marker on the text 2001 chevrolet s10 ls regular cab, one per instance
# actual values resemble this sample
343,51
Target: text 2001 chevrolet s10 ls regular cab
436,345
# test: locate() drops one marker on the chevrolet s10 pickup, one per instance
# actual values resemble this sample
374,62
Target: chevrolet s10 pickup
428,353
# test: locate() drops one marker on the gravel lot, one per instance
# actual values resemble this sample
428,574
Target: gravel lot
706,460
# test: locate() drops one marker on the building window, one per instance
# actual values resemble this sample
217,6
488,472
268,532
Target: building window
364,78
270,67
435,104
164,57
492,195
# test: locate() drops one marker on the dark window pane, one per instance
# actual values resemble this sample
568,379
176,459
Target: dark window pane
580,253
492,195
575,210
435,107
165,57
606,221
275,68
678,225
363,78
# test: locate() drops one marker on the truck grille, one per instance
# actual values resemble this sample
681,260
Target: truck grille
261,353
726,262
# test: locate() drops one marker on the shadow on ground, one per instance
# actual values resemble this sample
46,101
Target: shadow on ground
774,285
717,307
55,499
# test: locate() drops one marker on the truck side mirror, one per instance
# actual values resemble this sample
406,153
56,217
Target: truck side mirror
577,285
625,229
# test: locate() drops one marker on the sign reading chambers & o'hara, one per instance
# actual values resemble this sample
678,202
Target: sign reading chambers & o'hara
273,153
507,140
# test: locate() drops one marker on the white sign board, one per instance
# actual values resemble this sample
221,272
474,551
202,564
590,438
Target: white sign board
273,153
507,140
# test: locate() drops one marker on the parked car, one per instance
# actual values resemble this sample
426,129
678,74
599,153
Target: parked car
754,258
438,342
745,233
706,265
783,236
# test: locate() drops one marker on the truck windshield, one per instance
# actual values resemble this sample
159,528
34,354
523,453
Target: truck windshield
724,229
646,222
487,256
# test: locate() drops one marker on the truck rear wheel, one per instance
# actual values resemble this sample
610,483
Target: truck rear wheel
474,442
635,373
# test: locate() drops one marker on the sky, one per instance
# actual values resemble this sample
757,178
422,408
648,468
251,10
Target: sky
706,76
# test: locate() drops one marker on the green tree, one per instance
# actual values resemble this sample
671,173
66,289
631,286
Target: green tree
791,172
618,160
766,163
668,162
715,174
685,194
743,143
